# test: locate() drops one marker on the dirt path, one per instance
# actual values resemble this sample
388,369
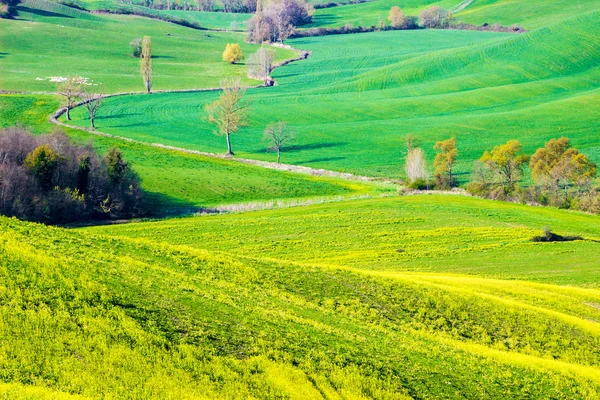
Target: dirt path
462,6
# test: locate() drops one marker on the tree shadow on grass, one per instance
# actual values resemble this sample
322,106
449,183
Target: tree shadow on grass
117,116
162,57
318,160
314,146
43,13
2,55
162,205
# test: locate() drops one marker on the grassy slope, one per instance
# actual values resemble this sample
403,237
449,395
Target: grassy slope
176,180
355,99
54,40
437,234
218,325
529,14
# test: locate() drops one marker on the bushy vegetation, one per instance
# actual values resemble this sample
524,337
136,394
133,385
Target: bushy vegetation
49,179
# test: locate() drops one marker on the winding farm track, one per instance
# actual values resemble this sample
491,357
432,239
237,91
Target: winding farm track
462,6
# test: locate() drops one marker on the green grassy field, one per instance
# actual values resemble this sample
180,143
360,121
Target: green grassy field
54,40
114,311
529,14
357,96
178,181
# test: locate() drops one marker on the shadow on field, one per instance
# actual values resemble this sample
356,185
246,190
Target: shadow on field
162,57
324,159
324,19
314,146
2,55
160,204
117,116
43,13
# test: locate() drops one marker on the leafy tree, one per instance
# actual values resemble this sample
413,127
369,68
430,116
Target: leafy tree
71,89
558,164
506,163
444,162
83,173
397,18
279,136
146,63
136,47
260,64
42,163
229,112
232,53
117,167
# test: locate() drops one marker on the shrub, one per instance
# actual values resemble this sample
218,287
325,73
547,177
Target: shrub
435,17
49,179
232,53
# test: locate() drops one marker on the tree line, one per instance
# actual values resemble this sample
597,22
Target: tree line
49,179
561,175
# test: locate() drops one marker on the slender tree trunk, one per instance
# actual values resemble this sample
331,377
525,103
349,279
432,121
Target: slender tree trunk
68,114
229,152
93,126
278,156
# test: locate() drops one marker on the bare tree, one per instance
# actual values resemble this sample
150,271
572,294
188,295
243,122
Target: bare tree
92,102
229,112
146,62
260,64
416,166
71,90
279,136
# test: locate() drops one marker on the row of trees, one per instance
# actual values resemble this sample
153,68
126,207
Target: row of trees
232,6
49,179
561,175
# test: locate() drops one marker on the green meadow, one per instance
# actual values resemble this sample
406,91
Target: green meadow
57,41
331,288
293,303
355,99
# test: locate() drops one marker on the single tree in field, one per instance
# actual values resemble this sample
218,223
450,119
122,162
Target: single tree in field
506,162
415,166
146,63
92,102
232,53
260,64
71,89
397,18
136,47
229,112
444,162
278,135
412,142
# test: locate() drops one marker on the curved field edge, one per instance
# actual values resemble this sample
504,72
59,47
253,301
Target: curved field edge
182,182
219,325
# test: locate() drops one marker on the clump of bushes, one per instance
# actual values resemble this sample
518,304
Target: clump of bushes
278,21
49,179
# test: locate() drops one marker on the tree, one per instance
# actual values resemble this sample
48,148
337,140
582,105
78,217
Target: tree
71,89
506,162
397,18
117,167
415,166
278,20
146,63
92,103
444,162
229,112
136,47
260,64
558,164
279,136
411,142
42,163
232,53
435,17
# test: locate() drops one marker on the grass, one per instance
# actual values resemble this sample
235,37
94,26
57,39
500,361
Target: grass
113,311
353,101
50,39
529,14
433,234
176,181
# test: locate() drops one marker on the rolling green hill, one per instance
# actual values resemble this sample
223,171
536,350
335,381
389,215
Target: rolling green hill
51,40
357,96
145,310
